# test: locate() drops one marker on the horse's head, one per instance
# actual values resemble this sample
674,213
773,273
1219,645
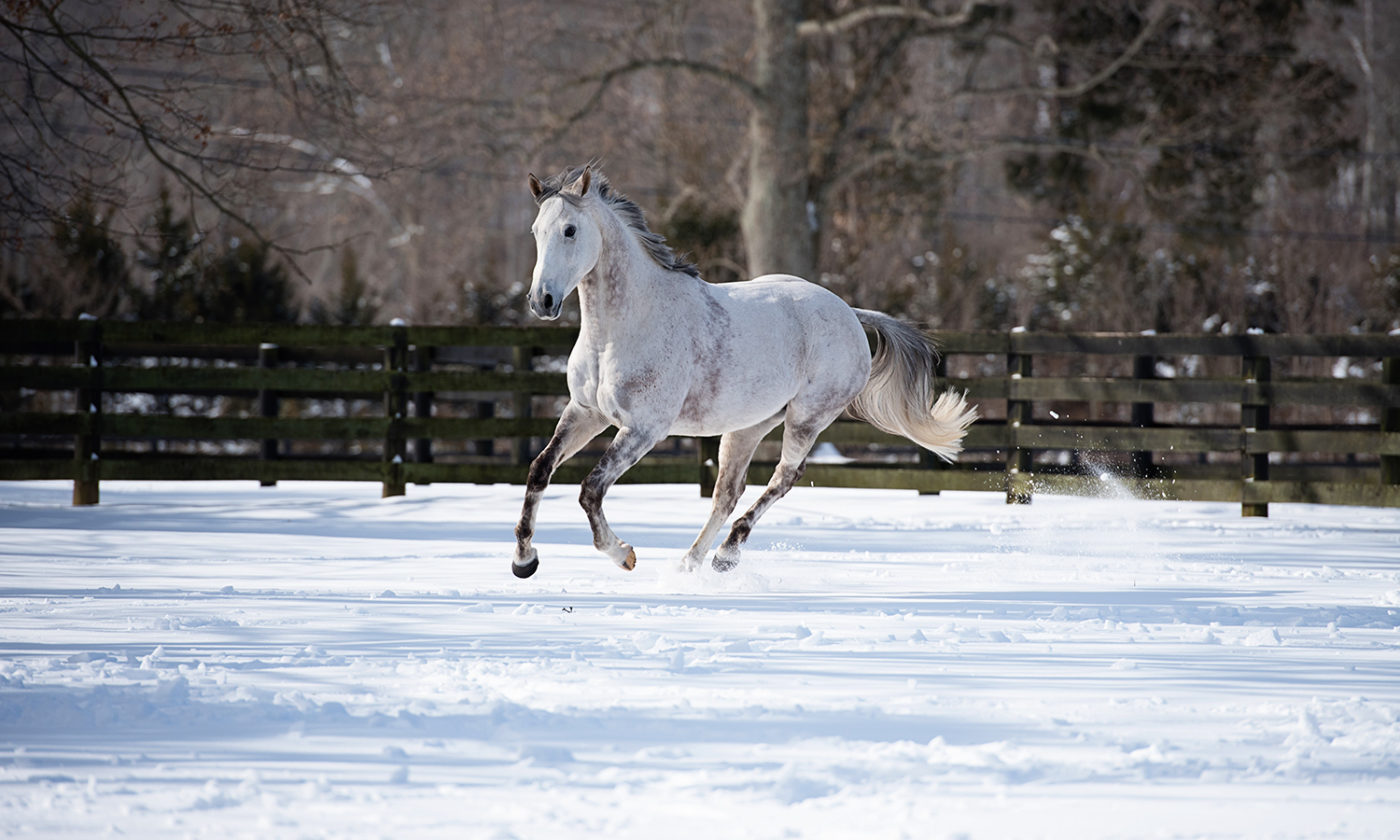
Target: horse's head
567,241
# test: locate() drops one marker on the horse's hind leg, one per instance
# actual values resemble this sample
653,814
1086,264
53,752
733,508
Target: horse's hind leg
735,452
628,447
577,426
798,438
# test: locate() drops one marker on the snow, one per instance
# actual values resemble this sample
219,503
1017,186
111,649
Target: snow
309,660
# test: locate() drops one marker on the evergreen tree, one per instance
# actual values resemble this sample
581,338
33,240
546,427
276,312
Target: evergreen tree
243,284
1212,110
353,303
85,240
192,281
175,263
85,273
1197,105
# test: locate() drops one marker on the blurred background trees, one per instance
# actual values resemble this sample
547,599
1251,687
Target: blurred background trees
1060,164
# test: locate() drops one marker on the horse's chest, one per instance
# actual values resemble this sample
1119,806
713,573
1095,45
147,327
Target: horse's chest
583,380
625,387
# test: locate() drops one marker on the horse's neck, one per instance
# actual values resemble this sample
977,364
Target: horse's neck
622,292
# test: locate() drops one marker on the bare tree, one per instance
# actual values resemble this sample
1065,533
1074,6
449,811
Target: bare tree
99,96
917,155
786,179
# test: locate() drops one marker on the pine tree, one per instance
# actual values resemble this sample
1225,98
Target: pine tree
175,265
1211,113
1197,107
193,281
243,284
353,303
86,273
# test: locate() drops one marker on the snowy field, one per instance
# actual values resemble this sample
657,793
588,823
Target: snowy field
224,660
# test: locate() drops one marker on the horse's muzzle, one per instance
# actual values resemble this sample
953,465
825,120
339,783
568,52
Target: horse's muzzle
546,306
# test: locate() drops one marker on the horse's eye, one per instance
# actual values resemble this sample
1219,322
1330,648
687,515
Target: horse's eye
569,231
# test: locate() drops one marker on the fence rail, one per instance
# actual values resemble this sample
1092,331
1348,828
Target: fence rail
1253,419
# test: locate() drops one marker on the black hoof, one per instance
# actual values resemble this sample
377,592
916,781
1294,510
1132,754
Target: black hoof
527,569
720,565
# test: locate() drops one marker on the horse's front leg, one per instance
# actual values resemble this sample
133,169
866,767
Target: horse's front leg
632,442
576,427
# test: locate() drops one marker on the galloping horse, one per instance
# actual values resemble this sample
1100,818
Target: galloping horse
661,352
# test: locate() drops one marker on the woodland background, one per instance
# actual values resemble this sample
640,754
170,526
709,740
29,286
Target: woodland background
1170,165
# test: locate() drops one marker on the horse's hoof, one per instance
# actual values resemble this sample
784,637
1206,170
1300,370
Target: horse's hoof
524,571
630,561
724,564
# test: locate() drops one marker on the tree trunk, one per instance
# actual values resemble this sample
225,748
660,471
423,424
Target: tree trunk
778,234
1380,173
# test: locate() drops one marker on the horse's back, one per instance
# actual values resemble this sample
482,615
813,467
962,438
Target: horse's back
784,340
783,307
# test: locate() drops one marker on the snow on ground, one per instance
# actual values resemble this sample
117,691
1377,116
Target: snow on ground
224,660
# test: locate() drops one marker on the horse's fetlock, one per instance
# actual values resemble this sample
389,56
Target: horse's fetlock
740,532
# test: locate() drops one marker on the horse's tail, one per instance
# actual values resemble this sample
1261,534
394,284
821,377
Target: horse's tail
899,397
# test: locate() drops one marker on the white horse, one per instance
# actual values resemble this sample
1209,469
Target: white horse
662,352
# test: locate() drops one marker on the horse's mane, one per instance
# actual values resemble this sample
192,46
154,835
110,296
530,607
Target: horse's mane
625,208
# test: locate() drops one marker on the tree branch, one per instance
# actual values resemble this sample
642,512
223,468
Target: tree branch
127,114
889,60
1156,15
603,80
857,17
733,80
978,147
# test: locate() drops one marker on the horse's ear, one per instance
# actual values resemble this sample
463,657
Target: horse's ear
535,186
584,181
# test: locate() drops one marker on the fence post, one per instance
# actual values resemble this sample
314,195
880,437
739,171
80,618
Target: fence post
87,445
485,410
521,450
395,406
423,405
269,406
1018,413
1144,368
1390,421
1254,416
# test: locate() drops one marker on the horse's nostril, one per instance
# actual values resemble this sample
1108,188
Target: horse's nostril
548,302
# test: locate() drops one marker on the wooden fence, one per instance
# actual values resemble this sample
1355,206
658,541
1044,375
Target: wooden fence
1252,419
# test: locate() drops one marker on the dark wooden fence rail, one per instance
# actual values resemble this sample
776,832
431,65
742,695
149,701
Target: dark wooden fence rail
1252,419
